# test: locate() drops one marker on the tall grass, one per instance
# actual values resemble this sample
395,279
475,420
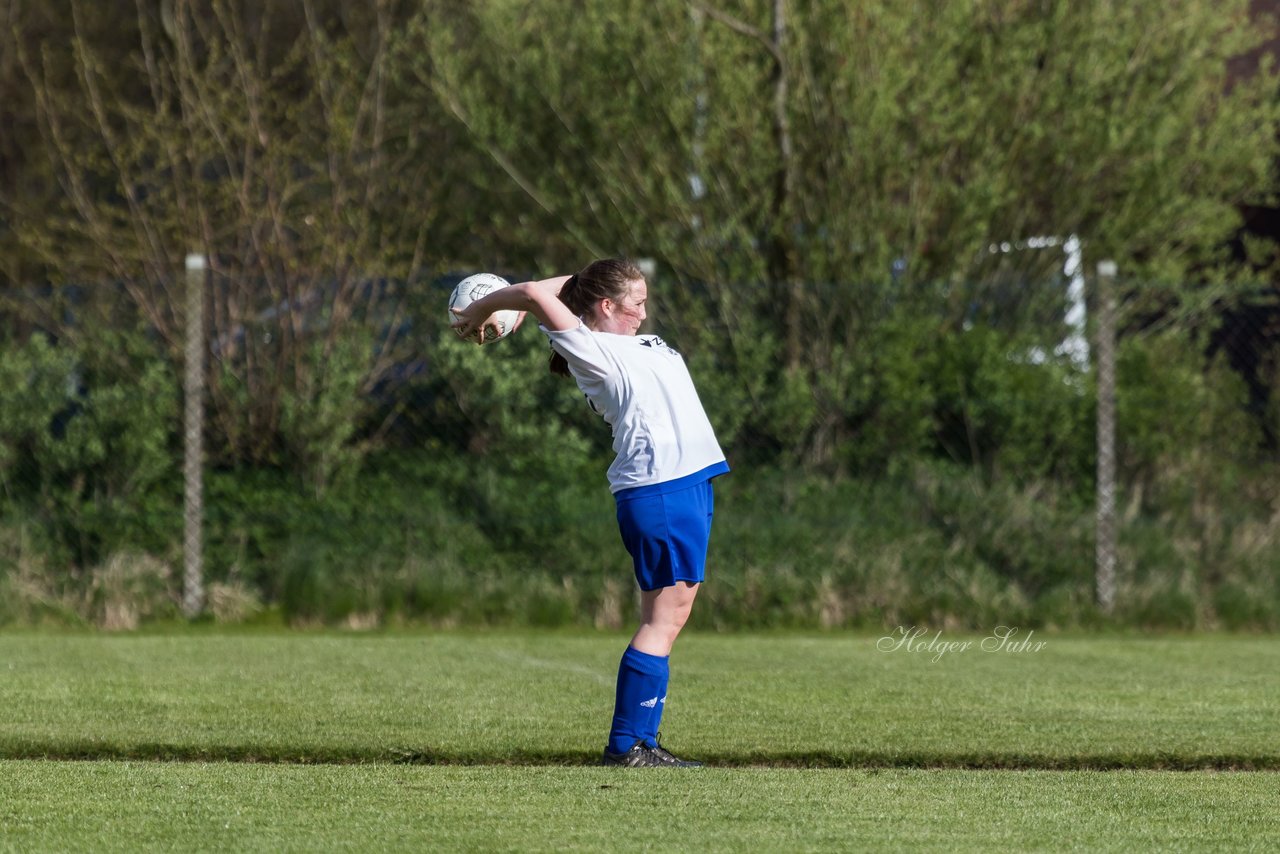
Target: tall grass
939,545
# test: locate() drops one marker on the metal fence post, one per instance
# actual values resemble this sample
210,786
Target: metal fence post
193,446
1105,558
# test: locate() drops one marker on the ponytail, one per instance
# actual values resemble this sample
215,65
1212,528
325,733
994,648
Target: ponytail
607,278
568,295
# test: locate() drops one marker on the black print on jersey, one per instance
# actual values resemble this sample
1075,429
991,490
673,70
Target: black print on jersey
656,342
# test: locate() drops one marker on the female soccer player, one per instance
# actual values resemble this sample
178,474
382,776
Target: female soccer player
667,454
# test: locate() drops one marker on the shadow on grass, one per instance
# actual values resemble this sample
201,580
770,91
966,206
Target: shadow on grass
1155,761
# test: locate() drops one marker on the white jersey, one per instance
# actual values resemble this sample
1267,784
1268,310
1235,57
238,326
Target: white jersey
642,388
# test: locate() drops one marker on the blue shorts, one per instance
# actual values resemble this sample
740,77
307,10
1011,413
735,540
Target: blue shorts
666,529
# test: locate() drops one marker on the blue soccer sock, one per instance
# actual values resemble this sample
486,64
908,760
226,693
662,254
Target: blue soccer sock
642,685
655,714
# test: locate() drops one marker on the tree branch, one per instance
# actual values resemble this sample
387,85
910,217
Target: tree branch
455,107
742,28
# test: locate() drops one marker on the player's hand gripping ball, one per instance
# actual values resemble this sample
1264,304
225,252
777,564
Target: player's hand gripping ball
501,323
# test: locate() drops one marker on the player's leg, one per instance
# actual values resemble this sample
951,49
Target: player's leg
663,613
667,537
665,609
643,673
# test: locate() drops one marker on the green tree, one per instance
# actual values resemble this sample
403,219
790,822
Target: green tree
784,159
270,140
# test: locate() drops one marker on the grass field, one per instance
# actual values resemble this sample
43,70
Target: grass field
469,740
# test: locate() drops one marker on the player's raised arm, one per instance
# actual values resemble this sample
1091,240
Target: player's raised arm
540,297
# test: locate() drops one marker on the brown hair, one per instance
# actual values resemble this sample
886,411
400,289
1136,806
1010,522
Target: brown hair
606,278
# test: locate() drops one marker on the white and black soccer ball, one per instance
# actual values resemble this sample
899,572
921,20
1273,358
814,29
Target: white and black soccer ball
473,288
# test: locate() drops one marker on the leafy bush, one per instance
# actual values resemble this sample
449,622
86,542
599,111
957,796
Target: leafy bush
87,443
1011,410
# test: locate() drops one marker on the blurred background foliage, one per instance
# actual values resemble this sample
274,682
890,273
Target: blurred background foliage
856,215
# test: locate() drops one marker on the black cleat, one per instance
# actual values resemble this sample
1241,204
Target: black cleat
674,761
639,756
642,755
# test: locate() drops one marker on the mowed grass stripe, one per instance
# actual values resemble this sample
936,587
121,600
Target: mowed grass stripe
109,806
737,700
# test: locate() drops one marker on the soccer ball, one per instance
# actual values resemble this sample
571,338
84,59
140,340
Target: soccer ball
471,289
